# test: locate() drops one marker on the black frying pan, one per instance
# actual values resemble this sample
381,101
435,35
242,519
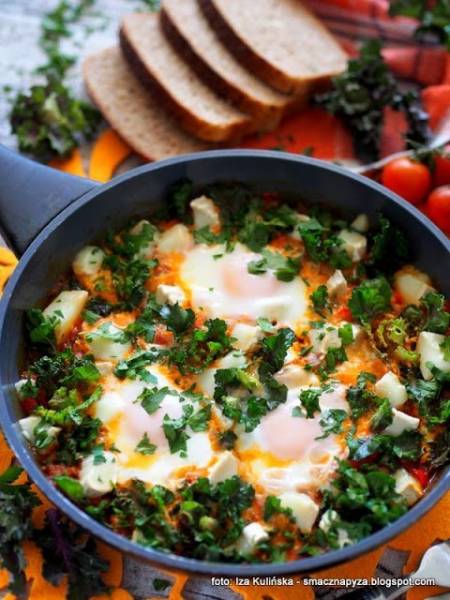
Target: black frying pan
48,216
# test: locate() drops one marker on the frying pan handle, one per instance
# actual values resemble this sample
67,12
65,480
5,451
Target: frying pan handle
31,195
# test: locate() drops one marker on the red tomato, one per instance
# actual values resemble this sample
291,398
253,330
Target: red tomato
344,313
438,207
421,474
408,178
441,175
28,405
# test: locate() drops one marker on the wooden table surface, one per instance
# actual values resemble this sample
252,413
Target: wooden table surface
19,56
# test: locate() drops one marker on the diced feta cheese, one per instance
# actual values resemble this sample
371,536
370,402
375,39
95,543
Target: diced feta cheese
304,509
353,243
67,308
176,239
361,223
28,427
88,261
389,387
205,212
412,284
401,422
336,284
407,486
428,346
19,384
225,467
169,294
247,336
301,218
105,367
109,406
105,342
230,361
343,538
147,249
99,479
293,376
324,338
327,519
252,534
357,331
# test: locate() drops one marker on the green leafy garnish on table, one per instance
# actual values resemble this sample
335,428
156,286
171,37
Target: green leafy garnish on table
47,119
16,505
360,95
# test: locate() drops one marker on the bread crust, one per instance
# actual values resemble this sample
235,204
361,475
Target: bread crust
253,60
188,120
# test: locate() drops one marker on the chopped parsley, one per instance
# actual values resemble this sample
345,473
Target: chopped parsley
284,267
371,298
145,446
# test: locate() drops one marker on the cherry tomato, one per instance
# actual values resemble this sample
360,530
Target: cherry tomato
438,207
408,178
421,474
441,175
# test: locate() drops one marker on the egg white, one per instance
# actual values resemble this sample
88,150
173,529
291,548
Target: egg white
220,284
127,422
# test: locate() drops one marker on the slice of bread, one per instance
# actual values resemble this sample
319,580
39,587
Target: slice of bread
131,110
199,110
281,41
188,29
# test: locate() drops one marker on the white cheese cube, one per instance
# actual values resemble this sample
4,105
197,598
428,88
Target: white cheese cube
407,486
324,338
361,223
147,249
109,406
252,534
428,346
99,479
88,261
176,239
247,336
301,218
105,367
231,360
343,538
105,343
304,509
169,294
28,426
67,308
358,332
389,387
19,385
225,467
336,284
412,284
294,376
353,243
401,422
327,519
205,212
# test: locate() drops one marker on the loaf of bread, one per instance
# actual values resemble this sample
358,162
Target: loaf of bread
188,29
280,41
198,109
131,110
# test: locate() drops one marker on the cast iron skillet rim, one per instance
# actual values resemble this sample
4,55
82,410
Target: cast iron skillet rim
170,560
